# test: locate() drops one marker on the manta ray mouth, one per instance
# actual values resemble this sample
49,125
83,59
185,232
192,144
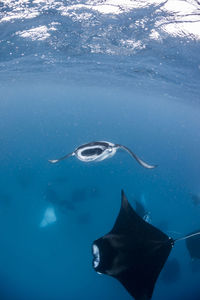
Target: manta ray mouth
96,255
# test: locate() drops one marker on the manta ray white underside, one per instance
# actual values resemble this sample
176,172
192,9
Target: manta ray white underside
98,151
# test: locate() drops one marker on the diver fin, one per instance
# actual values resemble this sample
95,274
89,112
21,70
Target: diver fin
54,161
141,162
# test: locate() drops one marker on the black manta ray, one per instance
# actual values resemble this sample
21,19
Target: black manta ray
98,151
134,252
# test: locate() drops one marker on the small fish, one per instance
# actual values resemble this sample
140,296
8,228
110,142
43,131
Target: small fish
98,151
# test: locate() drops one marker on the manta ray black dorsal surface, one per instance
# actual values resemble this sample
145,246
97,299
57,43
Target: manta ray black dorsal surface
133,252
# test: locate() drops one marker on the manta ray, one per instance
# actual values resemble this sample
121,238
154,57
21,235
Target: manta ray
98,151
134,252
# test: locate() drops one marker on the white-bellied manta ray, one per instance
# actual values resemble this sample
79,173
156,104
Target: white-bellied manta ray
98,151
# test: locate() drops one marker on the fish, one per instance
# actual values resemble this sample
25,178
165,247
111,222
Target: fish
134,252
98,151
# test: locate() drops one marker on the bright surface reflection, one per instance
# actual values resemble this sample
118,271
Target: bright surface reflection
180,18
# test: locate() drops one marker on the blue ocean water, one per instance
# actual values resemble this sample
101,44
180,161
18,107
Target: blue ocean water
72,72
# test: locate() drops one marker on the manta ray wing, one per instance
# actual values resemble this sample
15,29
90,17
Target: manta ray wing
134,252
139,160
54,161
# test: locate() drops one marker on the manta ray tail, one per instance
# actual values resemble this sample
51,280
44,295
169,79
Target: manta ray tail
187,236
54,161
141,162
